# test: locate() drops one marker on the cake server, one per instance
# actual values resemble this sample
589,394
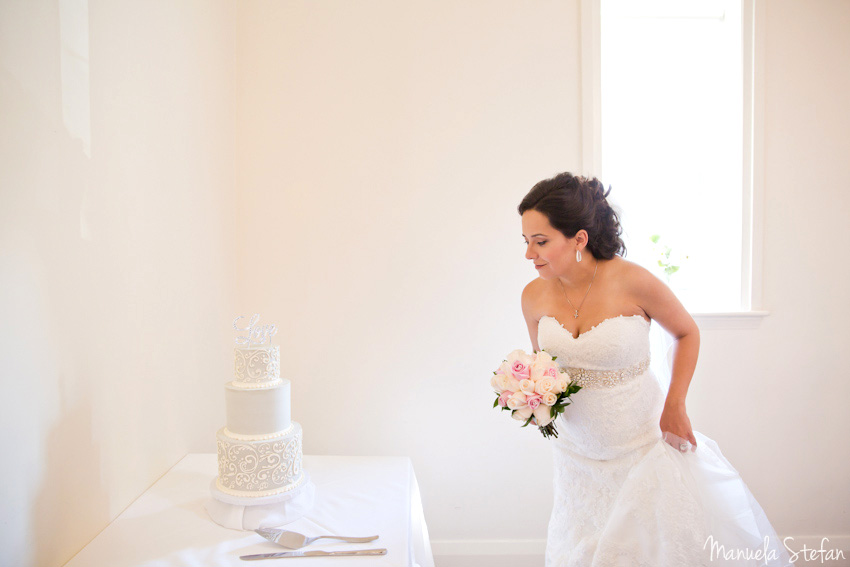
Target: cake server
316,553
294,540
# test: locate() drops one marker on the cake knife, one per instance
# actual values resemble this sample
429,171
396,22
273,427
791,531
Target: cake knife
315,553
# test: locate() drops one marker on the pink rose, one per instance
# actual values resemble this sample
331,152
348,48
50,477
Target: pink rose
503,398
519,370
534,401
552,372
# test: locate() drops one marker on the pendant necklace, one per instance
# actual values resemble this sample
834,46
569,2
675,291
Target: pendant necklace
585,293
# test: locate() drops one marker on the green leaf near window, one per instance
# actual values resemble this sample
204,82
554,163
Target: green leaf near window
666,259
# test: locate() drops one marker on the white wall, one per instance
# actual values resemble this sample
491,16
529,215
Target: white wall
116,200
803,344
375,162
382,150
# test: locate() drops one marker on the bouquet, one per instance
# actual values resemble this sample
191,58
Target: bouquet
533,388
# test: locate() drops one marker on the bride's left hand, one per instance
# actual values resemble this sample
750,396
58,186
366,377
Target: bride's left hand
675,420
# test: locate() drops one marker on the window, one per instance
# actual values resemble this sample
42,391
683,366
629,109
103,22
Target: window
668,85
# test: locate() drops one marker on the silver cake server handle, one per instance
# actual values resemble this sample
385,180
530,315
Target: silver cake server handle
314,553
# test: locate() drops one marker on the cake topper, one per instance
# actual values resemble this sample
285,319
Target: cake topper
257,335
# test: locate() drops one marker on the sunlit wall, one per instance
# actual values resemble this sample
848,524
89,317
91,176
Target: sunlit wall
116,200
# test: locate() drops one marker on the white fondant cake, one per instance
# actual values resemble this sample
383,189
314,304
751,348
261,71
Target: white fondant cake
259,450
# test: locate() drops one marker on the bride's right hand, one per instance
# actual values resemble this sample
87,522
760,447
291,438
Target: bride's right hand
678,442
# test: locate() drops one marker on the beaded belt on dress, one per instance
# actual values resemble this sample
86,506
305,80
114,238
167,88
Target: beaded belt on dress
587,378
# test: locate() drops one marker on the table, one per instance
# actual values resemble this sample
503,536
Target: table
167,526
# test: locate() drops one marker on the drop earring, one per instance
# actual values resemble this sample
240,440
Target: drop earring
578,255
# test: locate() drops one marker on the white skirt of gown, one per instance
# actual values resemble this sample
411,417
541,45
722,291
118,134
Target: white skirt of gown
623,495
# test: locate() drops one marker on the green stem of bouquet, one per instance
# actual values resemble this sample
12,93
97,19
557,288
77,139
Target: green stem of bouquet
548,430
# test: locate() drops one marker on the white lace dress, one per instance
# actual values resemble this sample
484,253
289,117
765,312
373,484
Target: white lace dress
624,496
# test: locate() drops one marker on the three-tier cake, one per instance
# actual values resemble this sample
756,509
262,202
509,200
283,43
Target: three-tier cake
259,450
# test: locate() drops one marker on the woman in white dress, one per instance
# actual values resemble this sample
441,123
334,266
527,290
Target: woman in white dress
634,483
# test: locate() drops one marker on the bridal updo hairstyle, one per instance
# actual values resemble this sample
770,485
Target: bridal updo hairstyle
572,203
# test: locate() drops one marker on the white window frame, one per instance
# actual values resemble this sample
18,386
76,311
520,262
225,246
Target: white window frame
752,244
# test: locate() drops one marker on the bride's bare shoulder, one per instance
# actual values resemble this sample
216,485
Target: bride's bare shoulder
534,286
531,295
634,280
657,300
627,270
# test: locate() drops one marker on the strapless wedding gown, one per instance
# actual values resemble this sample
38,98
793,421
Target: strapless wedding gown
623,495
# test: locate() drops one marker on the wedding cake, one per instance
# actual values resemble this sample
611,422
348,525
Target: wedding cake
259,449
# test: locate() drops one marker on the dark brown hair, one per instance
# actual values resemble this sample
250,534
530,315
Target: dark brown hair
571,203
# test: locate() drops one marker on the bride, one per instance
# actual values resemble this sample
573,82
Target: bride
634,483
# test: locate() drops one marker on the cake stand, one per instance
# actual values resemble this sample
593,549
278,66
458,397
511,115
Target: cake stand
250,513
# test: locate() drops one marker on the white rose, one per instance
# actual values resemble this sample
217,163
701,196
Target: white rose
538,370
526,387
561,385
512,383
517,401
543,356
502,382
549,398
494,381
546,384
522,414
542,413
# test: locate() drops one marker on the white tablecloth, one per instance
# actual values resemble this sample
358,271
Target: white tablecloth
355,496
